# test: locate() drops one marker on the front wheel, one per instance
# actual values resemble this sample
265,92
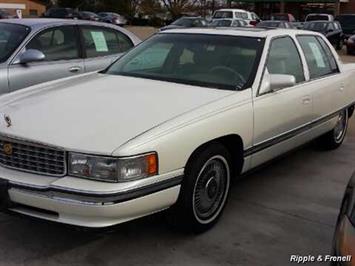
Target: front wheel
204,190
334,138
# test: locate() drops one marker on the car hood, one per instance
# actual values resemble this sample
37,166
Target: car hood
97,113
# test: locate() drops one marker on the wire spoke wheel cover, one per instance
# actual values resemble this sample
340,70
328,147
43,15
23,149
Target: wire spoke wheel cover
211,189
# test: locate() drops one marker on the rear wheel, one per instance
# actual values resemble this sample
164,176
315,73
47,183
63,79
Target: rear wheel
204,190
334,138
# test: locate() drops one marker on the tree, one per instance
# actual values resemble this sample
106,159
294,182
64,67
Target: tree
178,7
150,7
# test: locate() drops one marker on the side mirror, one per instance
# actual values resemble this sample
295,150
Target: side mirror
31,55
275,82
280,81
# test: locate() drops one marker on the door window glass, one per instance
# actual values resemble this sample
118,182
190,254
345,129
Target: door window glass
56,44
331,59
101,42
317,59
284,59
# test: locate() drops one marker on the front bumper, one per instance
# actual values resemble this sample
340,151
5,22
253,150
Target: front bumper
89,203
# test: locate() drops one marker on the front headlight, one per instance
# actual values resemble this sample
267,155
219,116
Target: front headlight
113,169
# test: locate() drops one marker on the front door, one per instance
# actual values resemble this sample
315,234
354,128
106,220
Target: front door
60,45
279,116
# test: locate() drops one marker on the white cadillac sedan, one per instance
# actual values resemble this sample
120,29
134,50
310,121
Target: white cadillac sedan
169,125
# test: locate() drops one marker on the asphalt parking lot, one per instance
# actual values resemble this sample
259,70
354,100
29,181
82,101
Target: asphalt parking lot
288,207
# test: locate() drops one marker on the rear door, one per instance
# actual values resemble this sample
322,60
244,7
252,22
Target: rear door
61,48
325,79
102,46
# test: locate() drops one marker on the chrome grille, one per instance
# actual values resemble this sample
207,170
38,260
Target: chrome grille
32,157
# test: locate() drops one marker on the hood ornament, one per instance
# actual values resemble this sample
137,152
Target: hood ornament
7,120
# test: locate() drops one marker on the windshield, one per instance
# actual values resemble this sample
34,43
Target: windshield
221,23
186,22
11,36
317,17
316,26
88,13
223,14
223,62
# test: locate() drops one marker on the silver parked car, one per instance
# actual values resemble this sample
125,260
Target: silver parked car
33,51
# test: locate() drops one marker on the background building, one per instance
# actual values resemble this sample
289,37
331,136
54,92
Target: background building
29,8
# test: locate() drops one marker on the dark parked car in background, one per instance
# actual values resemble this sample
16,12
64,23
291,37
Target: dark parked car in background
87,15
186,22
331,29
113,18
61,13
274,24
347,22
33,51
344,236
298,25
350,45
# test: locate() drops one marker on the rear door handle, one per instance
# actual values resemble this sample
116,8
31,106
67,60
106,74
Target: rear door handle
74,69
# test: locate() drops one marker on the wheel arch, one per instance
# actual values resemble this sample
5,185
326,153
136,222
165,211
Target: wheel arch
233,143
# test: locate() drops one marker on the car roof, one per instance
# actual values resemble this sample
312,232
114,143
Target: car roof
245,32
320,21
272,20
319,14
232,9
36,23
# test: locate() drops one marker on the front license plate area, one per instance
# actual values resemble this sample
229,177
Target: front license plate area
4,195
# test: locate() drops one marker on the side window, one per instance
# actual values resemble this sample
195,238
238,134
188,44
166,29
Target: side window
331,59
317,59
284,59
331,26
124,42
57,44
101,42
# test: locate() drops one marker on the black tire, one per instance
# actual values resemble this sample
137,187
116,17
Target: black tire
202,186
334,138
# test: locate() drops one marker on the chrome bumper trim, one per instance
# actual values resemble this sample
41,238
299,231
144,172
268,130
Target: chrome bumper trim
96,199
